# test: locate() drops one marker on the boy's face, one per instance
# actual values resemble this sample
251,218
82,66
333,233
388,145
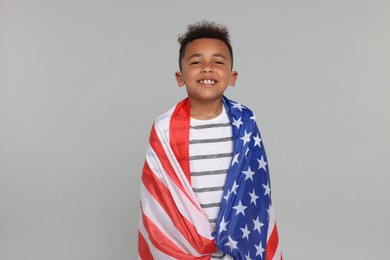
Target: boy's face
206,70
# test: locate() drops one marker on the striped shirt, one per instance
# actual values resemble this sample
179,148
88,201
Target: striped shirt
210,150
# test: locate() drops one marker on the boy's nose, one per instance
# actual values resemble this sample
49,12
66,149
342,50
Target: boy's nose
207,68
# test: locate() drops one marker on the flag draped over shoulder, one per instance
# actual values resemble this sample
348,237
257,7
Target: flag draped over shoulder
172,223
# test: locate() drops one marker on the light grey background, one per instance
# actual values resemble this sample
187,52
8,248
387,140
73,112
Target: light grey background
82,81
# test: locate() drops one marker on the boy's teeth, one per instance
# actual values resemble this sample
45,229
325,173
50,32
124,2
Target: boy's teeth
207,81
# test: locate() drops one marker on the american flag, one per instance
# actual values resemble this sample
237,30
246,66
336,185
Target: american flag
172,224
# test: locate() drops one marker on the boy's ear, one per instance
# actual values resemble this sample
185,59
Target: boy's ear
179,78
233,78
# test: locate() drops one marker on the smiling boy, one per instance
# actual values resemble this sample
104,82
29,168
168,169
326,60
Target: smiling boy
206,71
205,191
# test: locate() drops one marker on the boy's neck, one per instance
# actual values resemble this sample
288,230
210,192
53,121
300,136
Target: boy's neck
205,110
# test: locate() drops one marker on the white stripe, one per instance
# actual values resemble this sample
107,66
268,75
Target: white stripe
204,181
278,253
213,196
165,118
271,223
211,148
153,210
157,254
211,133
211,213
154,163
271,226
211,165
192,212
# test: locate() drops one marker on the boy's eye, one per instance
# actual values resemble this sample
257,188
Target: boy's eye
194,62
219,62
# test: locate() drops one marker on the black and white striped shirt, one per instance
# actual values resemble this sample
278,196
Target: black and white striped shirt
210,150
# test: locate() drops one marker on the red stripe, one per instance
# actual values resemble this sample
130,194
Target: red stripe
164,197
179,132
272,244
143,248
164,244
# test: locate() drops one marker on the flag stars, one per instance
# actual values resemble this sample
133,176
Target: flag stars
262,163
257,224
247,151
246,138
235,159
240,208
251,165
238,106
231,243
254,197
237,122
226,197
260,250
267,190
223,225
269,211
235,186
257,140
248,174
245,232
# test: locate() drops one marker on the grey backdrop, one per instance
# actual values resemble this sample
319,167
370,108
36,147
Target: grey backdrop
82,81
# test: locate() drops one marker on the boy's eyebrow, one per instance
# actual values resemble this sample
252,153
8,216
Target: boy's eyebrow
196,55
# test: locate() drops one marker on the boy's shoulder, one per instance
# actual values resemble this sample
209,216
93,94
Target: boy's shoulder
233,108
163,120
236,108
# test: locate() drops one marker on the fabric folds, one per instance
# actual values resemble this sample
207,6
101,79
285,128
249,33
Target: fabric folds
172,224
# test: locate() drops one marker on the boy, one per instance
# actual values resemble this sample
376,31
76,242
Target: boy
205,190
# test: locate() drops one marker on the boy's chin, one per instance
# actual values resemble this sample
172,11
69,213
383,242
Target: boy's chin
206,99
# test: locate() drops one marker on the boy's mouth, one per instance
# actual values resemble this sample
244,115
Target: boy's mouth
207,81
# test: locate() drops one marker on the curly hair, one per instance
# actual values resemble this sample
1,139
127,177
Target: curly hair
204,29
